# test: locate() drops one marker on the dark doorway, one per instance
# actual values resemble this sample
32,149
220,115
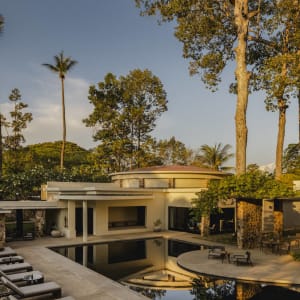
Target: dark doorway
223,221
19,223
79,220
179,218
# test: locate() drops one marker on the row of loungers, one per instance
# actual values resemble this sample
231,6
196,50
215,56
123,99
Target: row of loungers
22,281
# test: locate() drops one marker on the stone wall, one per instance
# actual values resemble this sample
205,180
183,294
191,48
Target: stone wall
246,291
249,216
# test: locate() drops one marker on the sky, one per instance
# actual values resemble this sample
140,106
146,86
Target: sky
110,36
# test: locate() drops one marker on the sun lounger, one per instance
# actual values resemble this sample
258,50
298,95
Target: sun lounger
33,290
12,297
23,277
15,268
7,251
11,259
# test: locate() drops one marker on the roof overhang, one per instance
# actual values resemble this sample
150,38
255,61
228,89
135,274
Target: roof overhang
11,205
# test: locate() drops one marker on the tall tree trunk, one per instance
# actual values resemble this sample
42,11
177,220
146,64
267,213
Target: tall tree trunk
1,148
299,115
242,77
282,106
280,137
62,153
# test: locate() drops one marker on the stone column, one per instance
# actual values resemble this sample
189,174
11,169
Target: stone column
249,223
70,230
39,222
245,291
84,221
2,230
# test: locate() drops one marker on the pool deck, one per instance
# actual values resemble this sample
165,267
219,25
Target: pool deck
83,283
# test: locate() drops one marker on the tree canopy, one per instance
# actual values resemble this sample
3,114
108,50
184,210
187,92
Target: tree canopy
125,113
251,185
215,156
214,33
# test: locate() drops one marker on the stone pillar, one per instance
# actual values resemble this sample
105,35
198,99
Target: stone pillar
245,291
39,222
84,221
2,230
70,228
249,223
84,255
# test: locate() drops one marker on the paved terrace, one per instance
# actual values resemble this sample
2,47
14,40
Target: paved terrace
82,283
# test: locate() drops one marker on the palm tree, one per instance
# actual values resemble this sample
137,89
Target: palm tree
214,157
61,67
1,22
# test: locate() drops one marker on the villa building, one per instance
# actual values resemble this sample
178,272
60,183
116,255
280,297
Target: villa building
132,202
137,200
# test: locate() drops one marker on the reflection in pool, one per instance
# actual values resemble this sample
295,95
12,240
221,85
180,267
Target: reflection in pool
149,266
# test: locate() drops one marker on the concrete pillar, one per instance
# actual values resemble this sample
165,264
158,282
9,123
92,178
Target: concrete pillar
70,230
84,221
84,255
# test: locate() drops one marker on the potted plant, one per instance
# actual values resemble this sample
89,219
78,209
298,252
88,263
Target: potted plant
157,225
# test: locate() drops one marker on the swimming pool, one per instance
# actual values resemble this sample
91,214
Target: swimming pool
149,266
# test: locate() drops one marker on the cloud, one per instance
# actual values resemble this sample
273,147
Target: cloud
45,105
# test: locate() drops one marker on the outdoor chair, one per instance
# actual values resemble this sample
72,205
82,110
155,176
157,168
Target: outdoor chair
11,259
284,248
213,228
217,253
33,290
15,268
21,277
7,251
241,259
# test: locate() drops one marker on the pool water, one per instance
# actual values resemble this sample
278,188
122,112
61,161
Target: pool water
149,267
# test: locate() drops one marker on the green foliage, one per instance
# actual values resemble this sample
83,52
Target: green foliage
62,65
172,152
251,185
14,127
296,255
291,159
206,201
125,113
214,157
48,155
23,185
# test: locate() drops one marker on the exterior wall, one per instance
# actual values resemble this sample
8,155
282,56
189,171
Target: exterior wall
159,190
291,213
132,183
156,183
190,183
154,210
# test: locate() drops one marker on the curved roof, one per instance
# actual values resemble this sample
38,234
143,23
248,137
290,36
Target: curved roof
172,169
